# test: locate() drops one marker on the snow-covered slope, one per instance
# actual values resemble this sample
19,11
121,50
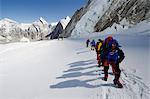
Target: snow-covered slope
40,22
141,28
67,69
98,15
64,22
24,26
86,24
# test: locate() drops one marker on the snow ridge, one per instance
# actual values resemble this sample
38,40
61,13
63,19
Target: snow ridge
65,21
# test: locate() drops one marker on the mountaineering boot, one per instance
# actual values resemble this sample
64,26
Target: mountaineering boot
105,79
118,84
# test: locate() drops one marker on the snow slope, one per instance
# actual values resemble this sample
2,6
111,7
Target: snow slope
65,22
66,69
95,11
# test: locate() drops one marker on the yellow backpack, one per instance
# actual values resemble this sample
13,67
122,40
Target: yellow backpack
99,46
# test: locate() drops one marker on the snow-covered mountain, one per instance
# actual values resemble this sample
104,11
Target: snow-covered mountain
98,15
53,24
59,28
11,31
7,24
15,31
7,21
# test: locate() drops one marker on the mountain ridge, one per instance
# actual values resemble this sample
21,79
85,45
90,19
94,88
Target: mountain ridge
15,31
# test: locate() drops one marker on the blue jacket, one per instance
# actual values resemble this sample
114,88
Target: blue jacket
112,56
93,43
116,56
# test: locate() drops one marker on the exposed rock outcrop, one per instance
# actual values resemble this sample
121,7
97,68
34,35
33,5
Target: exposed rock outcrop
60,27
134,11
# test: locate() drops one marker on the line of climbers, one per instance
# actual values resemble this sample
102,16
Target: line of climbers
108,53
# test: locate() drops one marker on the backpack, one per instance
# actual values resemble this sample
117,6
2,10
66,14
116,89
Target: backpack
106,49
99,46
113,41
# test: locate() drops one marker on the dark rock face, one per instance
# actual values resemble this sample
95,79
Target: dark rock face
56,32
134,11
59,28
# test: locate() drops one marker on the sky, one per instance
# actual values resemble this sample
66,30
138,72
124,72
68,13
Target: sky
27,11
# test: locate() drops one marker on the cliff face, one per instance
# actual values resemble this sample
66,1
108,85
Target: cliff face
98,15
55,33
134,11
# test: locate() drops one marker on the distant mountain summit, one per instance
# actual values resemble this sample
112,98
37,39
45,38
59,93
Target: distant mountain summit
59,28
64,22
41,21
7,20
